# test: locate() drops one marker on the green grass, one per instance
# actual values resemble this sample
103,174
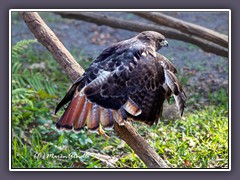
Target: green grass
198,140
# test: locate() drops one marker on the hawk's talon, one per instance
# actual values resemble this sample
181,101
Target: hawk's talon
101,132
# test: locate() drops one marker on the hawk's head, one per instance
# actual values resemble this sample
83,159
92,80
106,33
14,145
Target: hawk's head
153,39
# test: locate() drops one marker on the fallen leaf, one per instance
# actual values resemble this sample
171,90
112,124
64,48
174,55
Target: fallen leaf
121,145
41,65
106,148
78,165
191,143
187,163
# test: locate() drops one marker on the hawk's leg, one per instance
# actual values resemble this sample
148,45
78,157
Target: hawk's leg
101,132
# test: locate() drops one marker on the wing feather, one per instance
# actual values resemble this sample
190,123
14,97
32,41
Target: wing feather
166,63
178,93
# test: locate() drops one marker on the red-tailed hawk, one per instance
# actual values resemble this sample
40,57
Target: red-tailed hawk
128,80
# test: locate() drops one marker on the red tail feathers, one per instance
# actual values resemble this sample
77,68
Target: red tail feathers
81,111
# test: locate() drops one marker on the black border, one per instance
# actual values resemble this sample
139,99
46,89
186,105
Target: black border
176,4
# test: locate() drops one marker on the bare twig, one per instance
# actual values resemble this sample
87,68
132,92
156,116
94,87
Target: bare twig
185,27
138,27
45,35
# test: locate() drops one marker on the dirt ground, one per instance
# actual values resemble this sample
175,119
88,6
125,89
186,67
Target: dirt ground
206,72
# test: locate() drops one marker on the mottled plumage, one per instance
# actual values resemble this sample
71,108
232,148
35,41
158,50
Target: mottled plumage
128,80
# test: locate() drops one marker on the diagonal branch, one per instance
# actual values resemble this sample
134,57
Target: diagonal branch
101,19
46,36
185,27
48,39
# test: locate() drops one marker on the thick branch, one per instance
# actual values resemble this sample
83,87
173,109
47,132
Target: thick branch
141,147
185,27
44,35
138,27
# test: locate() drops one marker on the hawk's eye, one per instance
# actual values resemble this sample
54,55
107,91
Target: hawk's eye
162,42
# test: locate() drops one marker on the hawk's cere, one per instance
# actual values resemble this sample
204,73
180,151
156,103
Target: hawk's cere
127,81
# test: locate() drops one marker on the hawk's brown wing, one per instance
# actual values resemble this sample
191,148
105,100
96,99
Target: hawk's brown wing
126,83
151,100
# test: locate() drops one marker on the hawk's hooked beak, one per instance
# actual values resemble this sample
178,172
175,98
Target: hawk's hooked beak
164,43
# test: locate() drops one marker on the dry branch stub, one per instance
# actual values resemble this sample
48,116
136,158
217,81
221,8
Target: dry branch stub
45,36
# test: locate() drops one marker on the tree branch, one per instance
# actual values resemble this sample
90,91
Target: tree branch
139,145
185,27
45,36
139,27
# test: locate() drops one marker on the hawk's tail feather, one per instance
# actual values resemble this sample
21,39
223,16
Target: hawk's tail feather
106,118
80,111
80,121
94,119
72,111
